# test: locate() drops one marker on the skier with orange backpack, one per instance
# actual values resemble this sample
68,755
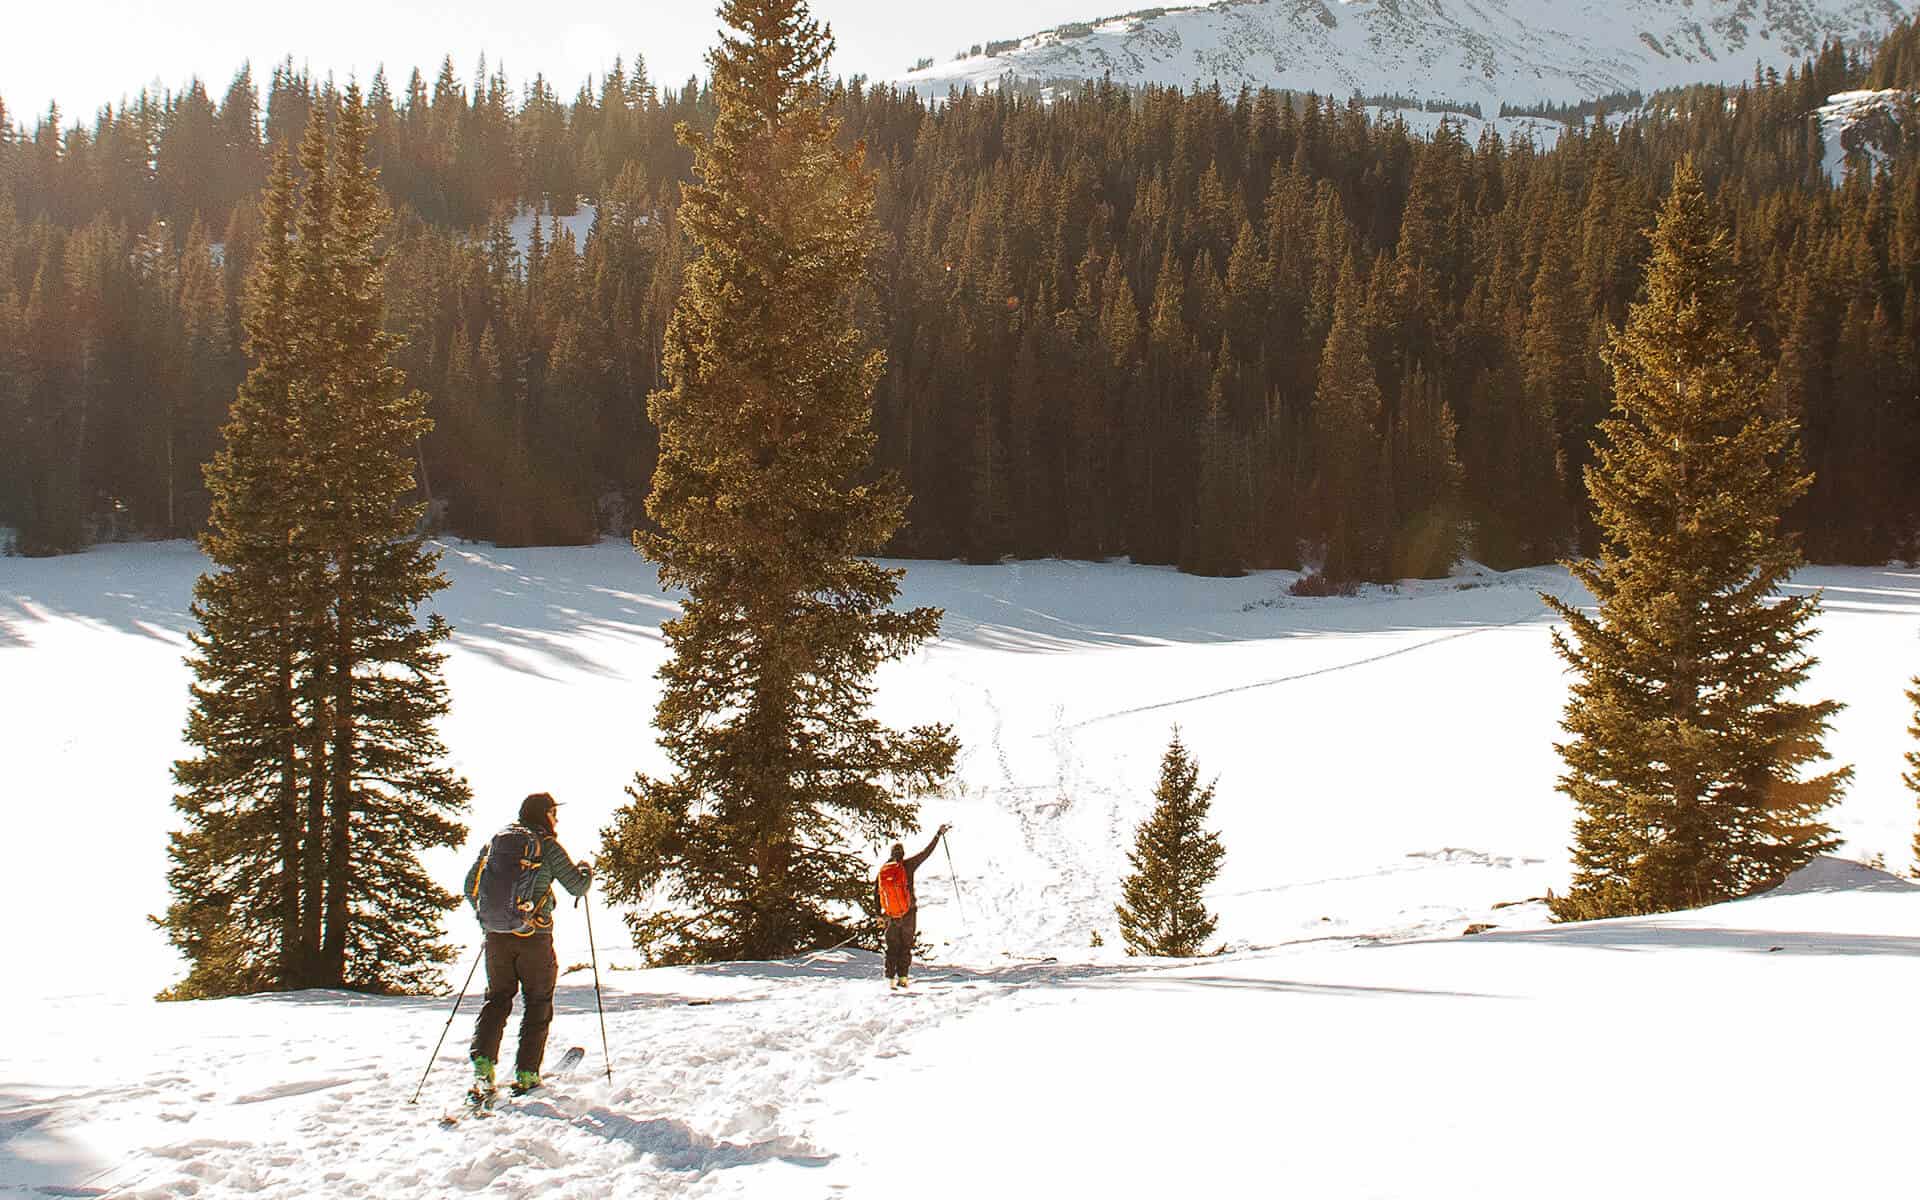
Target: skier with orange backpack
899,912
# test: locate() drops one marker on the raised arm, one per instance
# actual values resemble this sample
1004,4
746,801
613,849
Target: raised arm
913,864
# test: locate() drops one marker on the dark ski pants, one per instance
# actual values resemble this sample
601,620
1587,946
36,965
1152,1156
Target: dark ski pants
527,965
900,933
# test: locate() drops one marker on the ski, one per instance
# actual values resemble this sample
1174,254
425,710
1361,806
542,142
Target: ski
569,1062
477,1106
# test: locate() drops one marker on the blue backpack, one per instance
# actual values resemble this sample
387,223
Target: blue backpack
503,897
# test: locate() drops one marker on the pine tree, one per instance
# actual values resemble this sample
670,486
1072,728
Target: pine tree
1346,408
209,379
1427,535
237,870
765,432
1684,753
1163,910
987,528
1212,544
389,797
1553,354
318,779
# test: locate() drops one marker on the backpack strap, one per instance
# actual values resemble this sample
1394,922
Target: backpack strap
479,869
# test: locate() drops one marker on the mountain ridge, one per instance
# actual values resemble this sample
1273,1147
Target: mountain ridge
1460,51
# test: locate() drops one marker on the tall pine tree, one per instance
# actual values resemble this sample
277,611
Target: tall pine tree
317,780
1163,910
388,795
763,507
237,873
1684,753
1346,408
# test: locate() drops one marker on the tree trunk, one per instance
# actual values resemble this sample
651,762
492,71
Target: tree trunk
341,769
290,945
314,850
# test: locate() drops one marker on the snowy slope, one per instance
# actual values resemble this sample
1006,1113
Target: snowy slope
1873,123
1543,133
1754,1049
1464,50
1385,773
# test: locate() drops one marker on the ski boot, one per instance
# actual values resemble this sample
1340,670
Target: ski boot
480,1096
524,1082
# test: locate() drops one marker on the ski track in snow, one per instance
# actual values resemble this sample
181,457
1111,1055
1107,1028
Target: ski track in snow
700,1087
1337,668
736,1078
1072,892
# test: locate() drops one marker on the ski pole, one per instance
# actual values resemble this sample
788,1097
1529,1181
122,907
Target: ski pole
946,843
606,1056
830,949
449,1024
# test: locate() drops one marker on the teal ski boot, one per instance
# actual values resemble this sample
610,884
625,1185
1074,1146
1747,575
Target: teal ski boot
481,1095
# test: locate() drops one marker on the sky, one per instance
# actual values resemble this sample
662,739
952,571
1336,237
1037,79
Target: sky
162,46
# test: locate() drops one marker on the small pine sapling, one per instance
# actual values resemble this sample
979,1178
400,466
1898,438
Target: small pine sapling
1174,858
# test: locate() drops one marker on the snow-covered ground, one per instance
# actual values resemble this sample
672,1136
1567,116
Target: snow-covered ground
1385,770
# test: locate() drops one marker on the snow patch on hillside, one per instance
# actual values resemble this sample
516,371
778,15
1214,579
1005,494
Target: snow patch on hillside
579,224
1542,133
1863,121
1487,51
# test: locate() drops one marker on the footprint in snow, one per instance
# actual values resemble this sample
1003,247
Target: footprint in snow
285,1090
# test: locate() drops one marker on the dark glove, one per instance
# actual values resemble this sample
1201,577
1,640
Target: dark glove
944,828
586,874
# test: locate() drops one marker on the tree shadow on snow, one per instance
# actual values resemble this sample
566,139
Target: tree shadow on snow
571,1000
676,1147
1054,606
36,1157
524,608
1845,590
1162,975
111,587
844,965
1243,983
1634,936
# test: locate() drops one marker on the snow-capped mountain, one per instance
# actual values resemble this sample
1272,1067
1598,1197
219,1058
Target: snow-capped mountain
1485,51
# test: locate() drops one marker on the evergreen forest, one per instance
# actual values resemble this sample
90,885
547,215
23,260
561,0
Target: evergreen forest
1224,331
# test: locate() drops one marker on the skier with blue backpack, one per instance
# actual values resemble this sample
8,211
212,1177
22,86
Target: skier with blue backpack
511,889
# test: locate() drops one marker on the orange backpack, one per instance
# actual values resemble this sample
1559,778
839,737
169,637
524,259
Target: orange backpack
895,897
